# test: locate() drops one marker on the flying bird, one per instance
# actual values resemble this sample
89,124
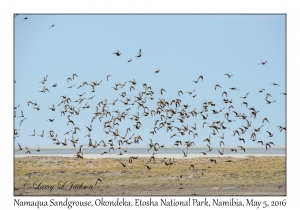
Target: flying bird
123,164
245,96
27,150
217,85
139,54
117,53
229,75
263,62
221,152
148,167
275,84
20,148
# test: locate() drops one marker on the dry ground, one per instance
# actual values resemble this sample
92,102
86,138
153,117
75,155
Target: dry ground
242,176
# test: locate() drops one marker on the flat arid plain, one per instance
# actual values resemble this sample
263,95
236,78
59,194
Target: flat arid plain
67,176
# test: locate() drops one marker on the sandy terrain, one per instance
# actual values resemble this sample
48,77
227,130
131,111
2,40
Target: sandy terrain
71,176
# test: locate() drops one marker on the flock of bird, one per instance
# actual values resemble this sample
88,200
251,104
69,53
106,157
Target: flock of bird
169,116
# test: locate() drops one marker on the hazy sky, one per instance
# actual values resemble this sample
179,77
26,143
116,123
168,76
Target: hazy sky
182,47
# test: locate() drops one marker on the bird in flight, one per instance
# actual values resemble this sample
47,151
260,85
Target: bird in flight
123,164
245,96
22,121
221,152
52,108
201,76
217,85
140,53
213,161
20,148
22,114
229,75
52,25
180,91
242,148
33,133
270,134
117,53
263,63
281,128
274,84
148,167
27,150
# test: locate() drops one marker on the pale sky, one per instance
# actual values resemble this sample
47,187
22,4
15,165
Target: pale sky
182,47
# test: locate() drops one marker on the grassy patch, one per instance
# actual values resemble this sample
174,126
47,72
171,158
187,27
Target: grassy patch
241,171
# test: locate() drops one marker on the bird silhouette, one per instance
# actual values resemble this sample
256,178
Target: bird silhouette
117,53
191,166
123,164
139,54
263,63
148,167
